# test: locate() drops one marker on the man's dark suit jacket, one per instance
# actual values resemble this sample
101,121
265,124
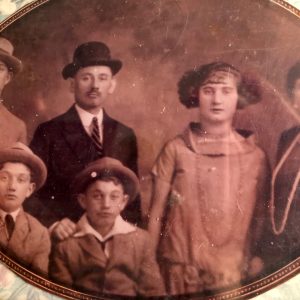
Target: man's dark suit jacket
65,147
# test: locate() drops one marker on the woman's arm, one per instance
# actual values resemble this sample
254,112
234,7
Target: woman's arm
159,199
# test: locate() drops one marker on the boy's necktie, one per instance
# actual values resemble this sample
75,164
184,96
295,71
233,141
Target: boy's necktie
10,225
96,136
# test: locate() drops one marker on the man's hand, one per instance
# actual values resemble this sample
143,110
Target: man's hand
63,229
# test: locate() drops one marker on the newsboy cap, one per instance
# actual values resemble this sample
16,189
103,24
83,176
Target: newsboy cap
107,167
91,54
20,153
6,55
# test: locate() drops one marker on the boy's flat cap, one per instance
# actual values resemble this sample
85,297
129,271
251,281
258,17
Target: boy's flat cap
20,153
107,166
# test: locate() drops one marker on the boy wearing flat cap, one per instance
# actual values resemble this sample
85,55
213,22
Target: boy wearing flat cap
83,134
22,237
12,129
107,255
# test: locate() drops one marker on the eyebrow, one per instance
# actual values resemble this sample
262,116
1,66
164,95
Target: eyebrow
17,174
208,83
89,73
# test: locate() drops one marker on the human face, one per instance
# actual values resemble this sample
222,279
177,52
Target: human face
15,186
91,86
296,95
103,201
5,76
218,98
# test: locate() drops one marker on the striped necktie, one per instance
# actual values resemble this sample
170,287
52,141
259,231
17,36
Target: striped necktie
96,137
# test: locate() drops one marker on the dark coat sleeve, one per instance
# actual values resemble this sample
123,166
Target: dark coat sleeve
40,144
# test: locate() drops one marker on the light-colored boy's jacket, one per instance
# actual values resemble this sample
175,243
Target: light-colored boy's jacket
29,244
80,262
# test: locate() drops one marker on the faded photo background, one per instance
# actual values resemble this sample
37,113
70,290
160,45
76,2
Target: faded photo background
157,42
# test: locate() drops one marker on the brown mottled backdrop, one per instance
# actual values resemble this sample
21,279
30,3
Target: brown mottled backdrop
157,40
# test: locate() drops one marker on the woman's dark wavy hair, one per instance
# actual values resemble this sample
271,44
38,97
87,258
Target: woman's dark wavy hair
249,88
292,76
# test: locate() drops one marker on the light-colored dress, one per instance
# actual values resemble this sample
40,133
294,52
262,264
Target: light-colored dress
215,189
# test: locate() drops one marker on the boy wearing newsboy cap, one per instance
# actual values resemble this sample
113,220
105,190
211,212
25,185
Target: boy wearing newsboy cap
107,255
22,237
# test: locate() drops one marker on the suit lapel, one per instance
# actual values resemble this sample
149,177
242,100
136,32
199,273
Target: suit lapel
92,247
20,234
76,136
119,243
109,134
3,234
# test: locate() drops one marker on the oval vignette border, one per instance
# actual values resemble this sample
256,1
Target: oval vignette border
250,290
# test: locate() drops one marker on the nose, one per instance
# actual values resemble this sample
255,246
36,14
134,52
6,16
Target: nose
12,184
217,98
106,202
95,83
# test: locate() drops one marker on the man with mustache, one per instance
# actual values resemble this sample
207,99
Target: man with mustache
83,134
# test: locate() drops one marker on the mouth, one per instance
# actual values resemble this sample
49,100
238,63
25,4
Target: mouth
104,215
217,110
10,196
93,95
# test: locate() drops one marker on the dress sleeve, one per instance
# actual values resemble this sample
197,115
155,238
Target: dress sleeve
150,282
260,218
164,166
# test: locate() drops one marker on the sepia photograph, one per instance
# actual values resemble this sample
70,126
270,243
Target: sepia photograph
150,148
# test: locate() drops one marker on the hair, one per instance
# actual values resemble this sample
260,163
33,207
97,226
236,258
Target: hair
249,88
292,76
106,178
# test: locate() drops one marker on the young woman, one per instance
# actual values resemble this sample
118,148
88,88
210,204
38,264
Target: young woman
210,187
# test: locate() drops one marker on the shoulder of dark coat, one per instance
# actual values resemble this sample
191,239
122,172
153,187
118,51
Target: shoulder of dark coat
58,120
115,123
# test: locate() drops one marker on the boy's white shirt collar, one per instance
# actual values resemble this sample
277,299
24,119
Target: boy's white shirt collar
14,214
86,119
120,227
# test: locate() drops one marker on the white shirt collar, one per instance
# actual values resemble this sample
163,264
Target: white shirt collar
86,117
14,214
120,227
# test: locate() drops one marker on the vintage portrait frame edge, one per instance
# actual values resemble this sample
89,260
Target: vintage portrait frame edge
21,12
250,290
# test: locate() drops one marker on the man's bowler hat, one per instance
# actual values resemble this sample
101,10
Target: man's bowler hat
91,54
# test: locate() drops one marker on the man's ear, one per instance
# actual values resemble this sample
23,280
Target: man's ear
31,189
112,85
81,200
72,85
9,77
